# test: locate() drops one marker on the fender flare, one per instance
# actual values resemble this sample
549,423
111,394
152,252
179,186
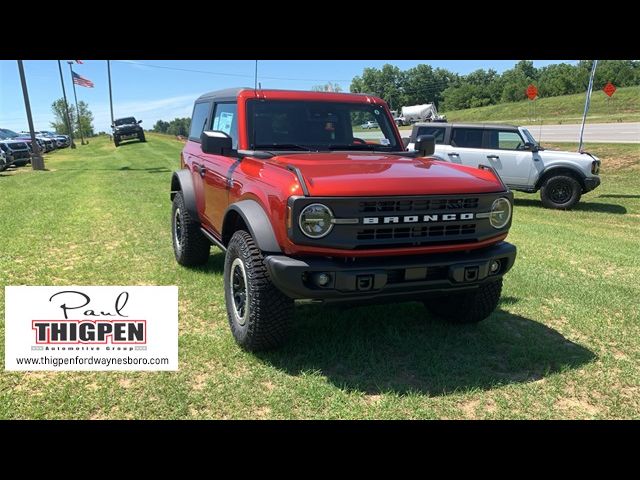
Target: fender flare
181,181
554,168
257,221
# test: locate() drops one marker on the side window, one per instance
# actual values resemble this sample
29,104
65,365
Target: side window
225,120
199,120
466,137
437,132
509,140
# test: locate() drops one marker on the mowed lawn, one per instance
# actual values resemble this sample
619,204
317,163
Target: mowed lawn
565,342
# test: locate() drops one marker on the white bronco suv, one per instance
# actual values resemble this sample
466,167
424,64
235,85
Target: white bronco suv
561,177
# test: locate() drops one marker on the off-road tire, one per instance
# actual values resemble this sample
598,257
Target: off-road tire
560,192
116,141
141,137
190,246
467,307
4,164
268,312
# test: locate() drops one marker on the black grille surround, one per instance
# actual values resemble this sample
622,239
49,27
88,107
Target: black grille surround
400,222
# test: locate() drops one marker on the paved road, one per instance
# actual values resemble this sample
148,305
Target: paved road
593,132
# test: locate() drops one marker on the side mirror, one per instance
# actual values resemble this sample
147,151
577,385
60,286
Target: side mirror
139,121
113,125
215,142
425,145
531,146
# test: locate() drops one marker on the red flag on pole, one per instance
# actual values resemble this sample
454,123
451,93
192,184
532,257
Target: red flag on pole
79,61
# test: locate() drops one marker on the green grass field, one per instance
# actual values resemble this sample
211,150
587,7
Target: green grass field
565,342
624,106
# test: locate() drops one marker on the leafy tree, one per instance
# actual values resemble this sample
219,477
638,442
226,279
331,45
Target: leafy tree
179,126
161,126
59,124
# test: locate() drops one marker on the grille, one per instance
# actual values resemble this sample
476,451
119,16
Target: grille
392,233
418,205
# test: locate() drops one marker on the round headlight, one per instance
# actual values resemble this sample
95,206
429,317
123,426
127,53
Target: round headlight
500,213
315,220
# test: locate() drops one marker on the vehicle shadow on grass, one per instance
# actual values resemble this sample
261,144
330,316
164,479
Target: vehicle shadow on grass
618,196
399,349
580,207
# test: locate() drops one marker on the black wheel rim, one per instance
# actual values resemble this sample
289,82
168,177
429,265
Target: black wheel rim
238,281
561,192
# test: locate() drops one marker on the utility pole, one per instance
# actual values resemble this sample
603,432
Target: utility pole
255,82
587,102
75,96
37,162
67,118
110,97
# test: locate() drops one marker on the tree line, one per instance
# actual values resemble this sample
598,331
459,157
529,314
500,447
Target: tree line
451,91
177,126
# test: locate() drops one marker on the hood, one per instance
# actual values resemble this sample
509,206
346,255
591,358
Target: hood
569,156
377,174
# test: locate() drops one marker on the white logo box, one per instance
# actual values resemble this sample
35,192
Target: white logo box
91,328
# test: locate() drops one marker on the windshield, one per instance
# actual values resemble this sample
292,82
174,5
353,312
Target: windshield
125,121
308,125
6,133
528,137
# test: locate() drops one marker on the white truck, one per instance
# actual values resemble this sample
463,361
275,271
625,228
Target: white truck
426,112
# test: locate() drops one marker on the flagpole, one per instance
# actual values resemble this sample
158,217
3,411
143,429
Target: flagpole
37,162
77,107
110,97
587,102
67,119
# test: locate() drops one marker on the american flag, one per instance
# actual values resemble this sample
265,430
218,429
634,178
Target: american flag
80,80
79,61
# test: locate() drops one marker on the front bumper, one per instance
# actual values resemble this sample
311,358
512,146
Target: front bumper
591,183
388,277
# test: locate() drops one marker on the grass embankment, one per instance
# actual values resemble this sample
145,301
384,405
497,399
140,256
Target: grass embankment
565,342
624,106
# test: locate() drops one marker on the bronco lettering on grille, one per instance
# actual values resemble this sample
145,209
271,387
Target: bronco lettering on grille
435,217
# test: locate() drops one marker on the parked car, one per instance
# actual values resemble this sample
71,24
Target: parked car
561,177
306,211
127,128
16,151
4,162
369,125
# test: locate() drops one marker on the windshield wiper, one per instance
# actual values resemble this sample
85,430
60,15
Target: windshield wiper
360,146
285,146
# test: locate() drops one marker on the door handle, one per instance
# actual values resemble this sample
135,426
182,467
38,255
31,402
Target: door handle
453,154
494,157
201,170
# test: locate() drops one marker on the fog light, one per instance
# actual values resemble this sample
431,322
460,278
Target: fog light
495,266
323,279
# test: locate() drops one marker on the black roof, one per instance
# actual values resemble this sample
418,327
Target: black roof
122,118
226,94
491,126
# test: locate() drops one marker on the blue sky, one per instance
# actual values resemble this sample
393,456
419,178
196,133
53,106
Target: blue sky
153,93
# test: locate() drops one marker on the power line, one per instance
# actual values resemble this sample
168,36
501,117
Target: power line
225,74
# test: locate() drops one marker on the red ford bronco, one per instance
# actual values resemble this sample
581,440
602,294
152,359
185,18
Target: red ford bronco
309,206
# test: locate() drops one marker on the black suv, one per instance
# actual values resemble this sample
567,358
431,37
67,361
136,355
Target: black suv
127,128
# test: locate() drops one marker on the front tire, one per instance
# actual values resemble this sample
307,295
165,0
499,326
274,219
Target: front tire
260,316
141,137
190,246
467,307
116,141
560,192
